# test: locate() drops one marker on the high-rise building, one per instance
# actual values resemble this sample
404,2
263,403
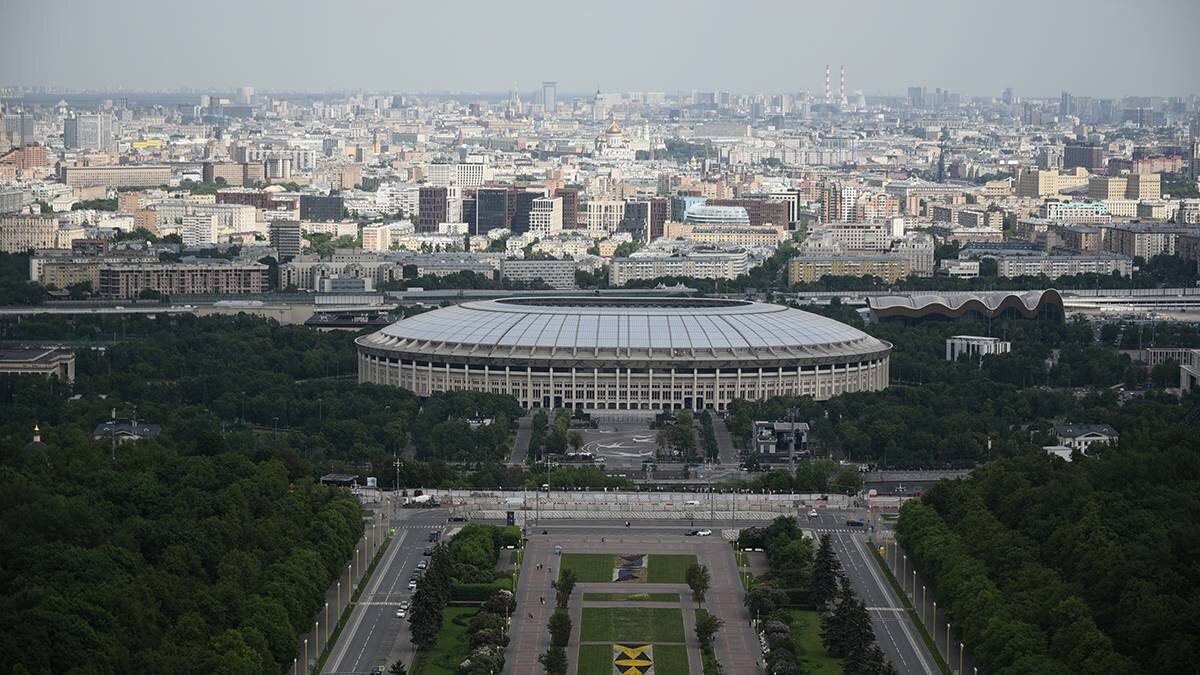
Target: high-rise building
546,216
321,207
1089,157
494,208
1195,145
245,95
285,238
198,229
89,132
550,97
520,220
570,207
433,208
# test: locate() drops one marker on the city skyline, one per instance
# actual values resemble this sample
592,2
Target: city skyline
375,47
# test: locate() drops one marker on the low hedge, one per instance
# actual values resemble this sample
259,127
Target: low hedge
478,592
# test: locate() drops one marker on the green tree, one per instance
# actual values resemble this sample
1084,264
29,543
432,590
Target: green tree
425,617
564,586
707,626
698,579
398,668
764,598
554,661
560,629
826,573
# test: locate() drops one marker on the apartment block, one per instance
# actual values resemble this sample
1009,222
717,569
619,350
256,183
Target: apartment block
215,277
890,268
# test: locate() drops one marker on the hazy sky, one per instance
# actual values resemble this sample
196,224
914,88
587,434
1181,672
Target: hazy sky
1038,47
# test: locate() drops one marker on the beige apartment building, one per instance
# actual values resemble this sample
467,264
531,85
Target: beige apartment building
1036,184
128,281
19,234
726,235
117,176
809,269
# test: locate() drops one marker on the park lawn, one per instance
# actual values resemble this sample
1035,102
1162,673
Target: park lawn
631,597
671,660
452,644
596,659
589,567
631,624
806,634
669,569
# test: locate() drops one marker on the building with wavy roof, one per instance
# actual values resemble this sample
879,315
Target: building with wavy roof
626,353
1044,305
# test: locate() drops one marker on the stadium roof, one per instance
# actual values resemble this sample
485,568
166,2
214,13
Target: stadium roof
628,325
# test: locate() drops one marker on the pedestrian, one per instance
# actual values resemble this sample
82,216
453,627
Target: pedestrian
543,599
531,615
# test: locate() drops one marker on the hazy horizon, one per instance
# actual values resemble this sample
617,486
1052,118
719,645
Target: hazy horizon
1037,48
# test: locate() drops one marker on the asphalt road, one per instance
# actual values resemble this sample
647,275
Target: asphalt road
895,632
373,636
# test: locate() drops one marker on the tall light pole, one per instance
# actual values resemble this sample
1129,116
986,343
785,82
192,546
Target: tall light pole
306,655
947,640
327,623
960,657
923,595
317,636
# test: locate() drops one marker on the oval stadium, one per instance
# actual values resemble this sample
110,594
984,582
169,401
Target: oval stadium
624,353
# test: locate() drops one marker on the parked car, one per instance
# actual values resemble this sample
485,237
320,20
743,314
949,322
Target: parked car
422,564
428,551
400,613
412,585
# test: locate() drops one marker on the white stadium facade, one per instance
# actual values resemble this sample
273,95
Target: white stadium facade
606,353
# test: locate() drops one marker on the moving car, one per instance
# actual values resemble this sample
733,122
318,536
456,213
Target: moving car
699,533
422,564
856,523
812,513
400,613
435,535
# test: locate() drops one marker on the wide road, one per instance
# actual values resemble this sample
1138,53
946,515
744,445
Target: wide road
374,636
895,632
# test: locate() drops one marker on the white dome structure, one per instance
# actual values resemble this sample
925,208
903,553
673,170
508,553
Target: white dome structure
625,353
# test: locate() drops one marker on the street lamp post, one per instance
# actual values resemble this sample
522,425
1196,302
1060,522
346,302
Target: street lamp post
306,655
923,594
947,640
317,636
327,623
960,657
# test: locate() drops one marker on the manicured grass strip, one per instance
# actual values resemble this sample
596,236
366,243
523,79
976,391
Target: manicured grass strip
597,659
806,635
670,660
631,624
589,567
631,597
452,644
669,569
